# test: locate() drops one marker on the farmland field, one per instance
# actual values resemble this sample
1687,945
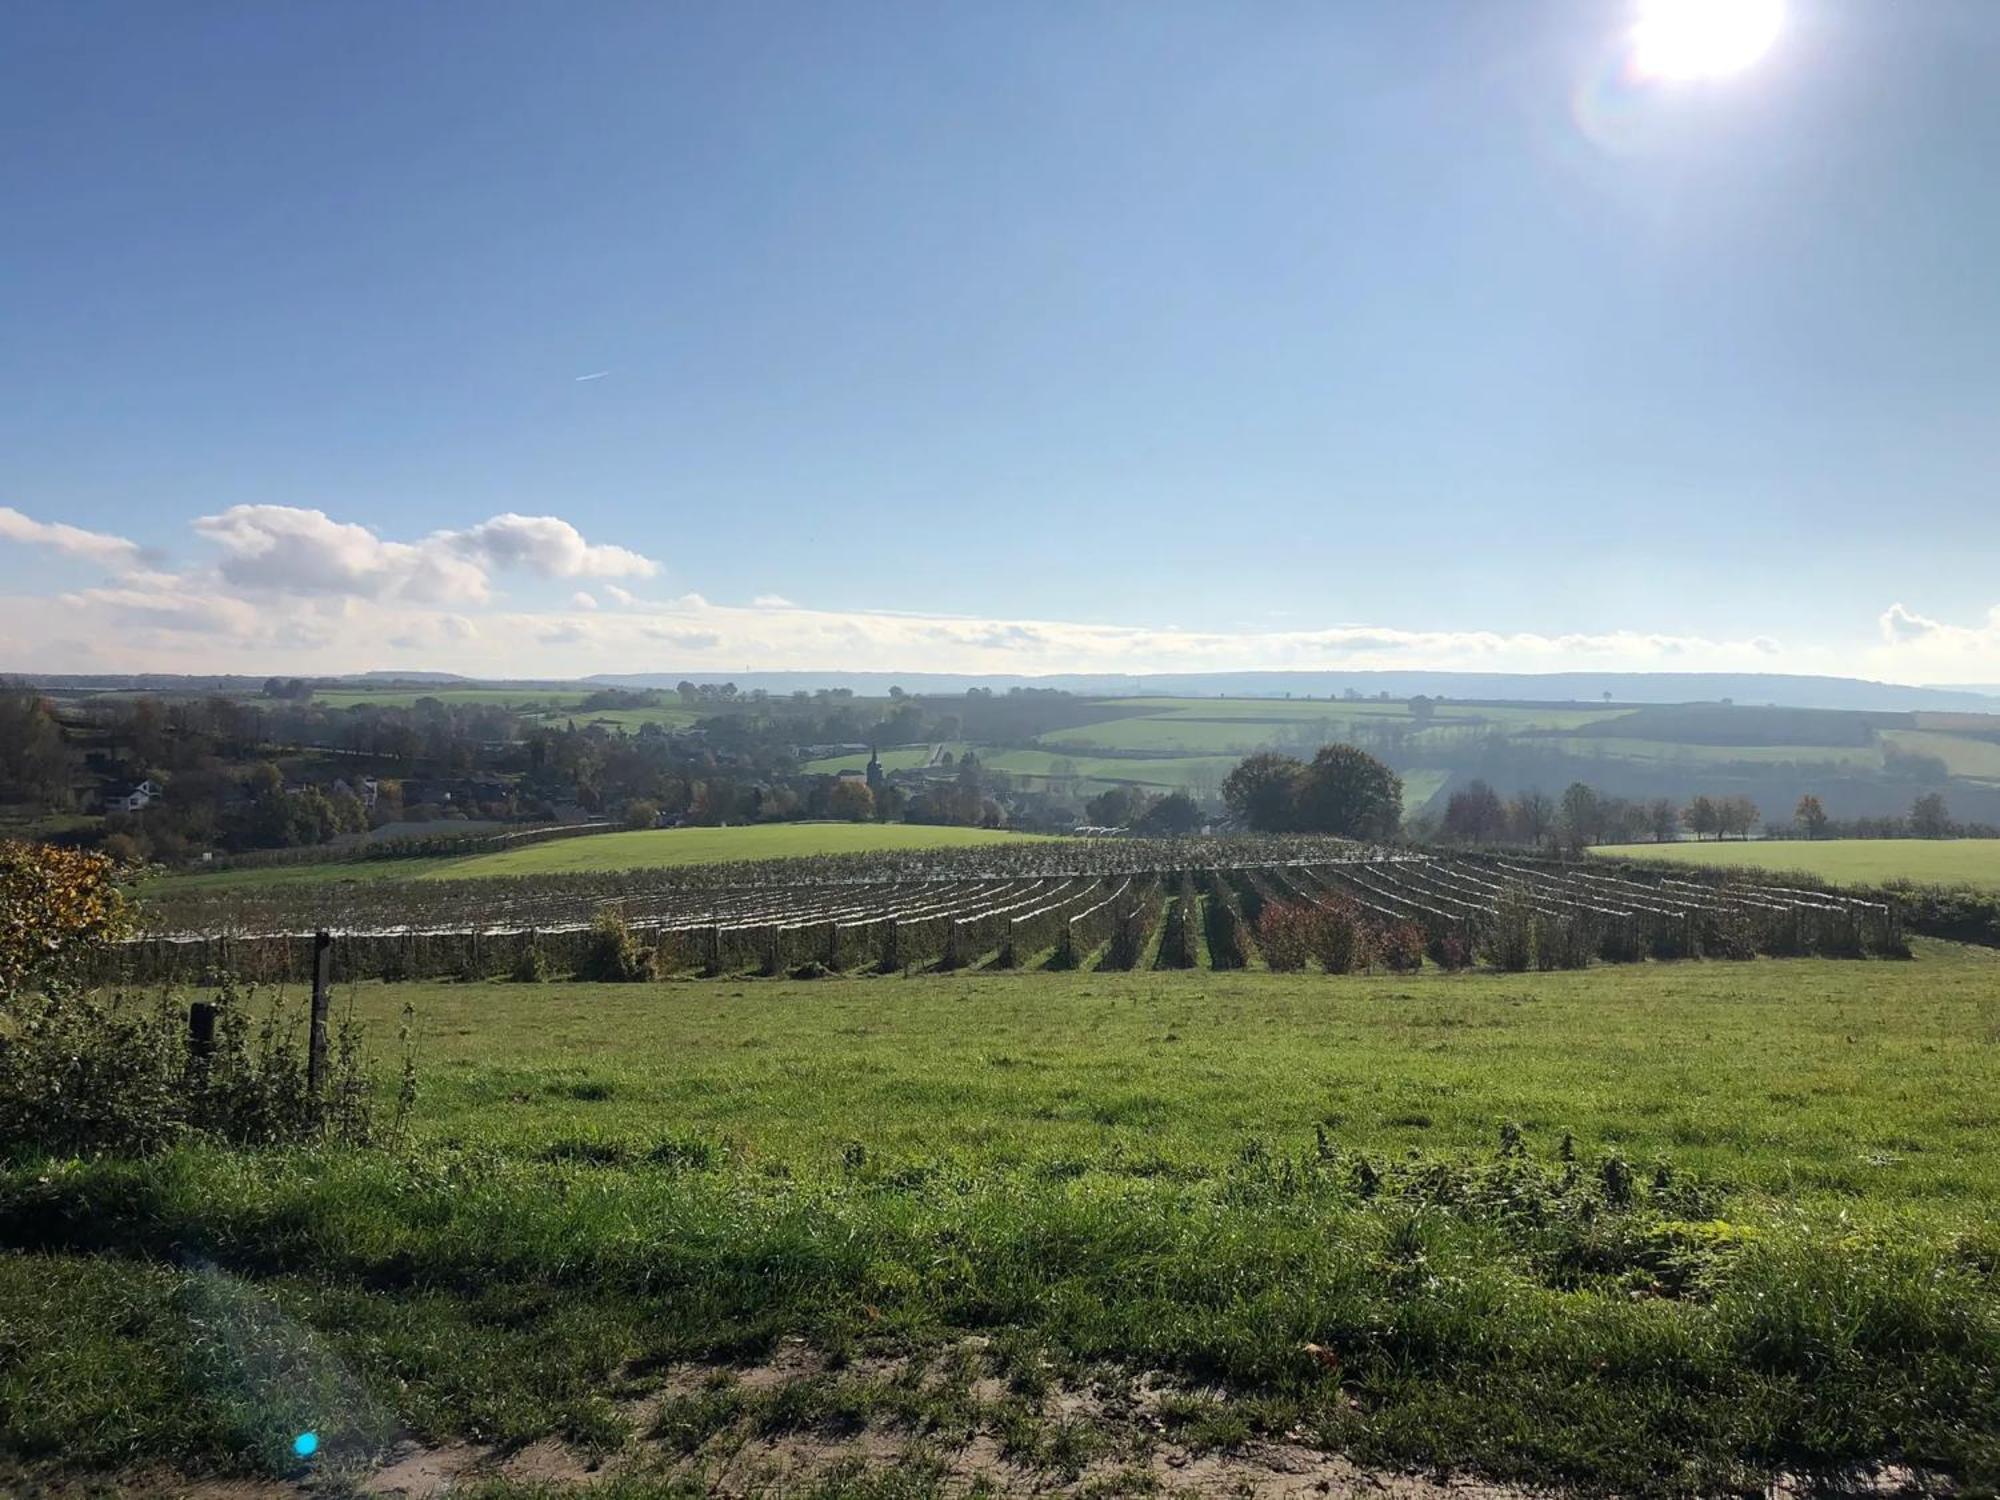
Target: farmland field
1665,1228
500,696
1845,861
688,846
1237,725
1621,748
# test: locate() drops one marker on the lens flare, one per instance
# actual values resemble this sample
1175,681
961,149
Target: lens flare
306,1444
1687,39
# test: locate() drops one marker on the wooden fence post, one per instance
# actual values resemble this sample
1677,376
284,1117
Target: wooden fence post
201,1031
322,1007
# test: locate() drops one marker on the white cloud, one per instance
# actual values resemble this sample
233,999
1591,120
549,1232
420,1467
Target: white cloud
286,549
100,547
545,545
293,589
292,550
1918,648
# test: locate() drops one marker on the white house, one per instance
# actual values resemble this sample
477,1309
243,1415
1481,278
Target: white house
136,799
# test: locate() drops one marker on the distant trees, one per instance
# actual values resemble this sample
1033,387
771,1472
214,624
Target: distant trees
1173,816
1810,816
851,799
1261,791
1663,820
35,765
1580,816
1475,815
1531,817
1343,790
1735,815
1118,807
1930,818
1702,818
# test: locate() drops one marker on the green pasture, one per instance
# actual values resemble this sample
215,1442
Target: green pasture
498,696
1651,1230
1616,747
1846,861
629,720
1241,725
1962,755
900,758
692,846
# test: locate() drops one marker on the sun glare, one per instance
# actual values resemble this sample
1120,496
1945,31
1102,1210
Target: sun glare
1681,39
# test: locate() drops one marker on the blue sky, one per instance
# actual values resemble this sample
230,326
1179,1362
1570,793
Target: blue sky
1025,337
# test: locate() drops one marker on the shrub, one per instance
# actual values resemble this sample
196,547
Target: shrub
56,907
613,955
93,1074
1508,940
1400,947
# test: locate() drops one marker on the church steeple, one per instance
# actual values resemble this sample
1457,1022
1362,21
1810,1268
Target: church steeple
874,769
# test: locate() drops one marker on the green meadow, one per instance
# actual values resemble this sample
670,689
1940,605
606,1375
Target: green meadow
1974,862
1667,1228
647,848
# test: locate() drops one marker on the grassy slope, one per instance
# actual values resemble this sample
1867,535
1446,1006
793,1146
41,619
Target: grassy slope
1851,861
1117,1166
1614,747
1961,754
687,846
1781,1076
612,851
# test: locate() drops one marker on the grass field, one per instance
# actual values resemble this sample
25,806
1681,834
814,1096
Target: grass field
629,720
1962,755
987,1204
1846,861
1237,725
690,846
611,851
501,696
1615,747
902,758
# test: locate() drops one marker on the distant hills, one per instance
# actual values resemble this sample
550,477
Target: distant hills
1751,689
1778,690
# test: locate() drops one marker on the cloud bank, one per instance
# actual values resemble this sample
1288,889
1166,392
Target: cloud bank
276,588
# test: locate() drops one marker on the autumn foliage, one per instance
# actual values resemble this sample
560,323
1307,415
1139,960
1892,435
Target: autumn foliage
55,904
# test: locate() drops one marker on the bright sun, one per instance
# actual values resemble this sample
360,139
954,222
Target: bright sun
1703,38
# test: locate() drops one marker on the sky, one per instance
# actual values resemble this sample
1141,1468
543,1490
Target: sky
533,340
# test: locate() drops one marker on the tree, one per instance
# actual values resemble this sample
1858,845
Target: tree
1119,807
1663,819
1810,816
1581,816
1262,792
1929,817
1172,816
851,799
1532,815
1737,815
639,813
1348,792
1475,815
1702,817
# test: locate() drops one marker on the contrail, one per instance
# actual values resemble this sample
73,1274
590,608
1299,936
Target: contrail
594,375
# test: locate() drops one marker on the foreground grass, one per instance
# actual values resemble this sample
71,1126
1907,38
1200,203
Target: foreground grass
1974,862
1792,1263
